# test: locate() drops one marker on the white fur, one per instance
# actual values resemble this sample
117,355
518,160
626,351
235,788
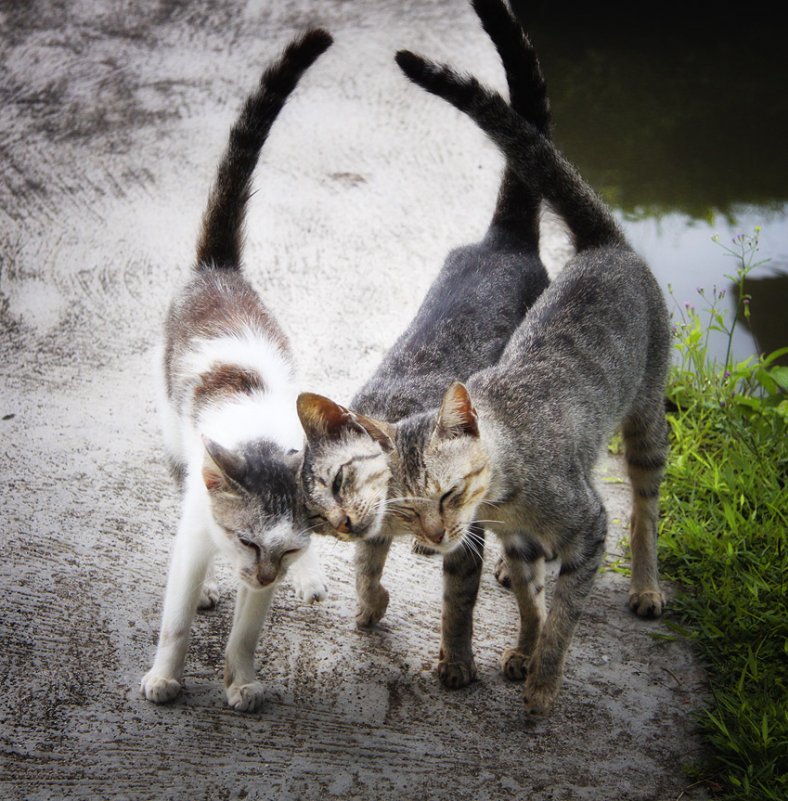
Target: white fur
272,415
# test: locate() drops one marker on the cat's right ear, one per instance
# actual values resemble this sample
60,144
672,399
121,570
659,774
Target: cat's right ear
321,418
456,417
380,431
222,470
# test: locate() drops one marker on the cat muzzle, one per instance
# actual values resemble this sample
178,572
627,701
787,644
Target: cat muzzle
435,537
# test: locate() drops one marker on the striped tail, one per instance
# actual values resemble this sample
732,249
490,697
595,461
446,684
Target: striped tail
528,152
221,237
517,207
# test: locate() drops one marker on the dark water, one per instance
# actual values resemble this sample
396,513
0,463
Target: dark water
680,123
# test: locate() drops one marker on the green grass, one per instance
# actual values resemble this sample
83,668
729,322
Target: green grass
723,540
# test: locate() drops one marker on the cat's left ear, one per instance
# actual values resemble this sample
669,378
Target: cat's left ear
222,470
456,416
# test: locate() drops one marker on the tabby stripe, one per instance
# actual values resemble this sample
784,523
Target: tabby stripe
524,552
379,474
646,462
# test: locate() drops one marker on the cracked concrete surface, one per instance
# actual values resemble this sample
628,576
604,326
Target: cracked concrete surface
115,114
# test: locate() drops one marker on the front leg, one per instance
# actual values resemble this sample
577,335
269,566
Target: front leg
244,692
307,576
373,597
524,560
462,570
580,561
191,554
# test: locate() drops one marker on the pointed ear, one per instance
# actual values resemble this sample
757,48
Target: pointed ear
380,431
293,460
456,417
222,470
321,418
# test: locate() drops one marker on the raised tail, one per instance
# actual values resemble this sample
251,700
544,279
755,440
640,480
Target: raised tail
528,152
517,207
221,237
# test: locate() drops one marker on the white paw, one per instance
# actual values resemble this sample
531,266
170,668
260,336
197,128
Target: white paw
310,588
245,697
209,596
159,689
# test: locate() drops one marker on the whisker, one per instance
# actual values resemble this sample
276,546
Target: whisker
469,545
408,498
309,529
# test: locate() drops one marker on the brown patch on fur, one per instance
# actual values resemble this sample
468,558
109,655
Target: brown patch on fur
225,380
215,304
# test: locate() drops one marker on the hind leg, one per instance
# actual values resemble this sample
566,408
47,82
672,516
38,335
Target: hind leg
209,594
645,449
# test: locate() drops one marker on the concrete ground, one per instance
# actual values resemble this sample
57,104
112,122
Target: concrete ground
114,115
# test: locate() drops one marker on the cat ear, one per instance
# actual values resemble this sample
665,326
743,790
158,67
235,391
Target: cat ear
457,416
293,460
321,418
380,431
222,470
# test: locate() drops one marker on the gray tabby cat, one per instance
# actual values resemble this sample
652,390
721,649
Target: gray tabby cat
230,426
477,300
516,447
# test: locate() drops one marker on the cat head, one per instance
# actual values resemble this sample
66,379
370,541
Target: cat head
256,508
345,472
444,472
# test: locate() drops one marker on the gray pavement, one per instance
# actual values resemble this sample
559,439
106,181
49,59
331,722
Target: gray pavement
114,115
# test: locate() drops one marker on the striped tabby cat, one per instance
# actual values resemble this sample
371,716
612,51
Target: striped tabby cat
515,448
350,472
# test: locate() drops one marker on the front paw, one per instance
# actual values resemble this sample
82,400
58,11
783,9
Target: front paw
501,572
159,689
455,674
539,697
647,604
312,589
372,608
245,697
209,596
514,664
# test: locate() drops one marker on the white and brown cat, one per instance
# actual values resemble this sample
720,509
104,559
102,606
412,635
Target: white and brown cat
230,420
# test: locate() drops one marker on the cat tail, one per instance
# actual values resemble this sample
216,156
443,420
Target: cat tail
530,154
221,237
517,207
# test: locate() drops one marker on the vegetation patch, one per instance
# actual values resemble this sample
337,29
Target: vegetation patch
723,536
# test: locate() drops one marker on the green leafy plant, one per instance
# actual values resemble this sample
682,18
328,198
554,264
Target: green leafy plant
723,535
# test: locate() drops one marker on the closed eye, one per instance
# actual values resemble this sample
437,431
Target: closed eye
247,543
446,496
336,486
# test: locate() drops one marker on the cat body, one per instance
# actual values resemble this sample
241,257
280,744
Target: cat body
514,448
228,411
475,303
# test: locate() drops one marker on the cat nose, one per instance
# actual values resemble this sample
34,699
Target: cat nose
266,575
345,526
435,536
